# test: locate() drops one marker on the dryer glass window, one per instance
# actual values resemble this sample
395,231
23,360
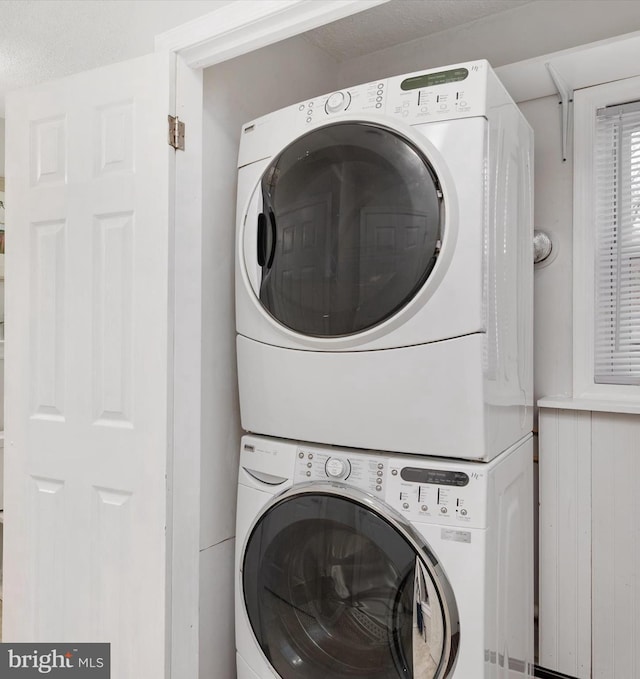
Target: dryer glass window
350,229
334,590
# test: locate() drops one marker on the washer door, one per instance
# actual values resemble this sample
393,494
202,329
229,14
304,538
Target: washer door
348,227
336,585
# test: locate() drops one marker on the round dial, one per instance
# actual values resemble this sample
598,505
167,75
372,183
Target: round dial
338,101
336,468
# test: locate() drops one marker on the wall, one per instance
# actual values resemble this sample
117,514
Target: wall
1,147
552,296
234,92
553,213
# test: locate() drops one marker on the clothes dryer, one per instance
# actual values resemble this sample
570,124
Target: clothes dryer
384,267
359,565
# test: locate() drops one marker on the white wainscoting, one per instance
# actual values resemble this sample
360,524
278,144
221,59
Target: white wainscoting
589,543
565,541
615,554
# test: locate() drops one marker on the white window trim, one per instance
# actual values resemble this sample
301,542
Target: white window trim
586,102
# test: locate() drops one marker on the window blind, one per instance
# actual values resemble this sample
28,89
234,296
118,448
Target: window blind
617,246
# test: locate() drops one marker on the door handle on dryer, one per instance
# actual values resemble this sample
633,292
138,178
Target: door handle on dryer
272,254
262,239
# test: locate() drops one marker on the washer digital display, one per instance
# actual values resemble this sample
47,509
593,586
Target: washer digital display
440,477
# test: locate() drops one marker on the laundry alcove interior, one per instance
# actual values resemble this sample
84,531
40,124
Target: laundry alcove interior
235,92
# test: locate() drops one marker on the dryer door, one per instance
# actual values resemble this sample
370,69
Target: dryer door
337,585
348,225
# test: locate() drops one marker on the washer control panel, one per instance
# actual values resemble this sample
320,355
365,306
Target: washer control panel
361,471
442,492
427,489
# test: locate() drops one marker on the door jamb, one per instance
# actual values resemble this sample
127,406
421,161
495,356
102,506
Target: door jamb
240,27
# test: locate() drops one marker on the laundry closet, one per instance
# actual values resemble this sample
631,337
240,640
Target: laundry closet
295,71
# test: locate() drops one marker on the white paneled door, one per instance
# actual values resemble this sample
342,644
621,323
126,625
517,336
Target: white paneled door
88,363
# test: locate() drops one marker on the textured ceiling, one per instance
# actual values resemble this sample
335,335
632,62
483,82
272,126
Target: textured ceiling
45,39
400,21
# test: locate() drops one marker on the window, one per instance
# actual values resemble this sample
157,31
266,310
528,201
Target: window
607,241
617,222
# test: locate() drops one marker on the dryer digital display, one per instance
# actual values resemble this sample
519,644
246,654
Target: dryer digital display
430,79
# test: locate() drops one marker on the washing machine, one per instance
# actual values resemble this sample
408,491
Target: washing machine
384,267
355,564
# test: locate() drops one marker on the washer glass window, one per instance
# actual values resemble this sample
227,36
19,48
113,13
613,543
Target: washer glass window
332,589
350,229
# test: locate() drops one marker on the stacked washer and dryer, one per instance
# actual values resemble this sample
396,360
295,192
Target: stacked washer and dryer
384,319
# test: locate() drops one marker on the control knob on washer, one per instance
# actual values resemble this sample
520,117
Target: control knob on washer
336,468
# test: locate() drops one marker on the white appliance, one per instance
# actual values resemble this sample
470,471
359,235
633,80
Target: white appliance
363,565
384,267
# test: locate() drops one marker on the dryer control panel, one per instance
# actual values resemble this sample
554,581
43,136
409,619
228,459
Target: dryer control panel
465,90
436,94
422,489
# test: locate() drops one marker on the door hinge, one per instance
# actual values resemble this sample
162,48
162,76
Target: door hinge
176,133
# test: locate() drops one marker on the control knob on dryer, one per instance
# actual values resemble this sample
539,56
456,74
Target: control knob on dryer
338,101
